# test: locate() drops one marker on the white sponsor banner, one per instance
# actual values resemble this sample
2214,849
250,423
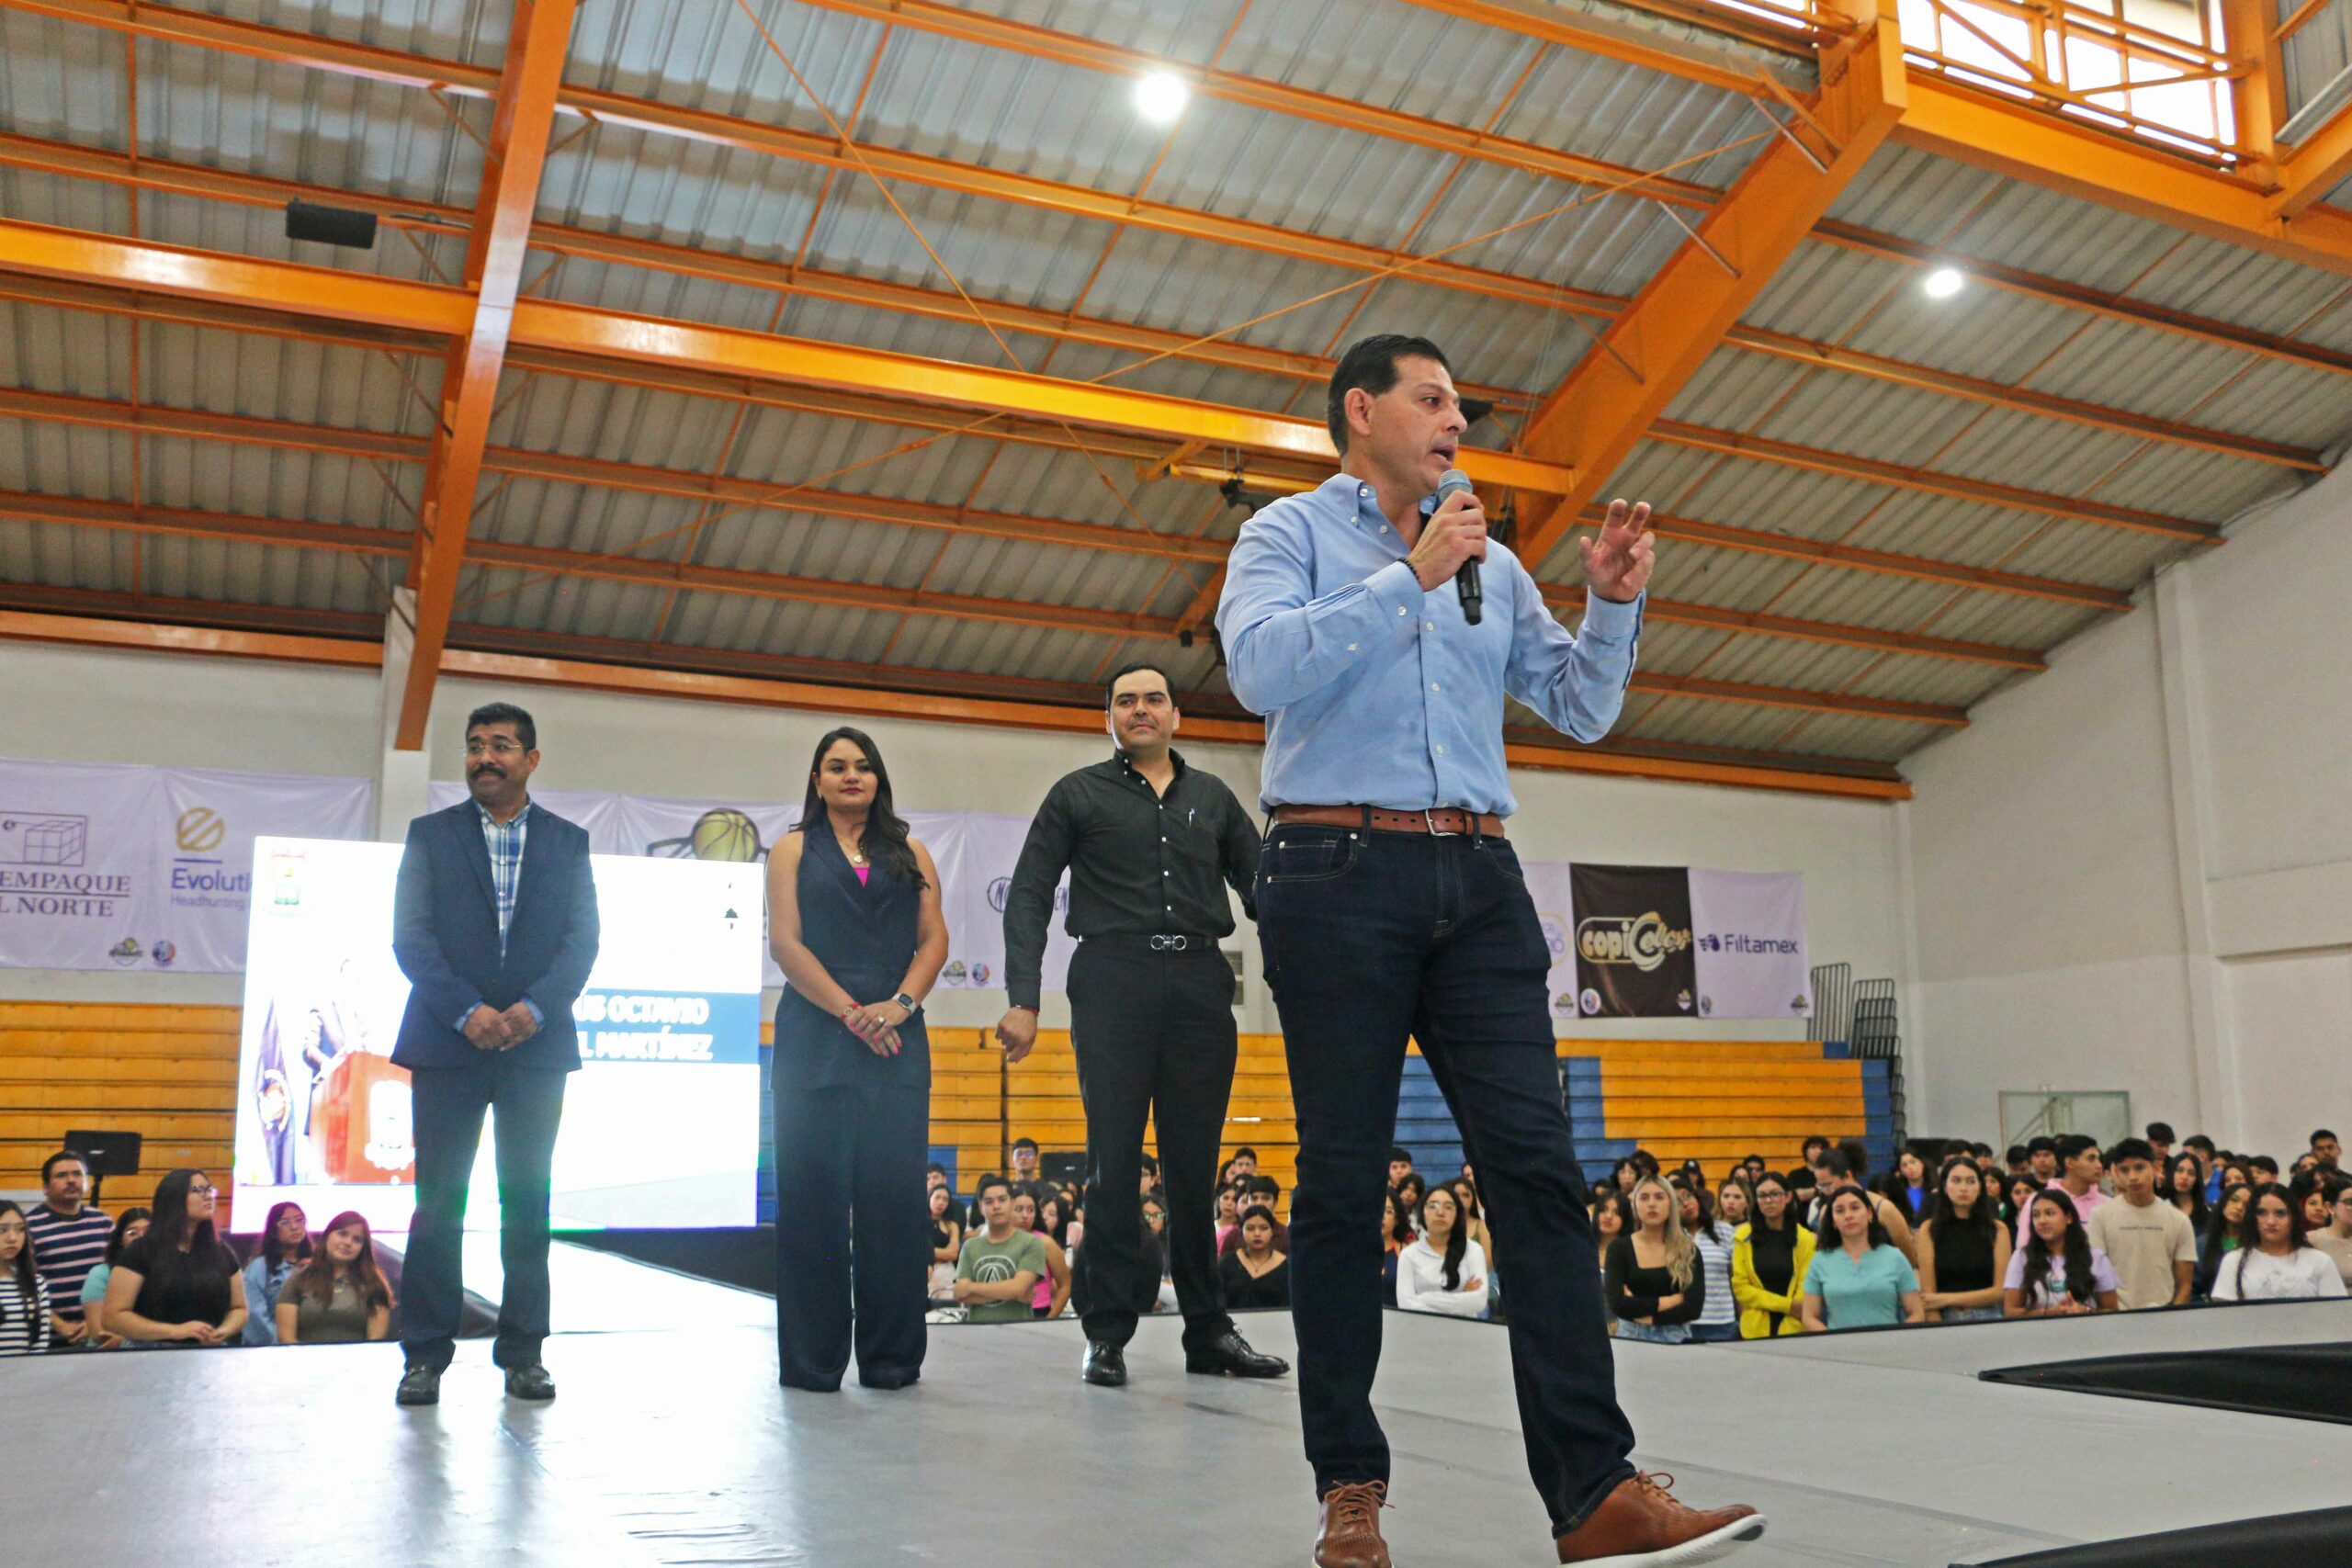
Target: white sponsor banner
1747,938
127,867
989,848
974,853
1547,883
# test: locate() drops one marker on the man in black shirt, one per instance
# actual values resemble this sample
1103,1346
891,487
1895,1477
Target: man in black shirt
1150,845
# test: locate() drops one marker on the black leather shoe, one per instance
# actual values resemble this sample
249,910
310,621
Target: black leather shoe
420,1385
1106,1364
1229,1355
529,1383
888,1379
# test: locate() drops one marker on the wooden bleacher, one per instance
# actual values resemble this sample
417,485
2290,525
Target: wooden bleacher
168,1073
1715,1101
979,1105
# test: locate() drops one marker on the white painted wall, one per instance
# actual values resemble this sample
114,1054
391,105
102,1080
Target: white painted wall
139,707
2134,871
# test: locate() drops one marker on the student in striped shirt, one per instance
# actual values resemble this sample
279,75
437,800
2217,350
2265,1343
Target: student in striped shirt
1719,1320
24,1304
69,1239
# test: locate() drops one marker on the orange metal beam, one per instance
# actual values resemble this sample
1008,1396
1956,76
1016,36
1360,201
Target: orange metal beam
806,362
1276,97
1609,400
669,345
329,292
2320,162
519,131
944,305
89,631
1735,445
338,638
2046,149
579,564
1997,394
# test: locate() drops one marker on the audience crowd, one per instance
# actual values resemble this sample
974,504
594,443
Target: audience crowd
2058,1227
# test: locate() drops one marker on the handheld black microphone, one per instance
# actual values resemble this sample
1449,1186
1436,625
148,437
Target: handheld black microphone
1465,582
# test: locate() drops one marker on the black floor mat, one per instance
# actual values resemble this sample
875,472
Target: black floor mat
2322,1535
2310,1382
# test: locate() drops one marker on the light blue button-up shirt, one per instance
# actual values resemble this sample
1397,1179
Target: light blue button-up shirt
1377,694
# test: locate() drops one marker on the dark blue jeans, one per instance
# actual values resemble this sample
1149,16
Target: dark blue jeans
449,1105
1368,938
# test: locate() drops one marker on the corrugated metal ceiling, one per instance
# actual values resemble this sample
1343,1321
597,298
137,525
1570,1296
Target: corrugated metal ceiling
1011,112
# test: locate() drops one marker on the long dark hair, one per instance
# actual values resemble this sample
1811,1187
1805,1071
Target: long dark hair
1945,1215
315,1279
2197,1204
1827,1238
2074,1246
170,1226
2218,1228
28,1279
269,1249
2250,1234
1788,1219
1456,1240
884,837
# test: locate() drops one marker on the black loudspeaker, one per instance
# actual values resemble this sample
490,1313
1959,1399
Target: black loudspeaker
331,225
105,1154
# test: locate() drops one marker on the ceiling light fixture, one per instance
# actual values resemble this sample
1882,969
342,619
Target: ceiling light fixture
1159,97
1943,283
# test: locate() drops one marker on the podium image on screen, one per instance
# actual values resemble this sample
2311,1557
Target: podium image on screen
360,1124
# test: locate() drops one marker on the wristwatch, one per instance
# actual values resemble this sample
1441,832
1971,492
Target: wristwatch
905,1001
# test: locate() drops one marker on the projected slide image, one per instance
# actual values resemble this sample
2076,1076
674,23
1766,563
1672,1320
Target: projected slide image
660,1124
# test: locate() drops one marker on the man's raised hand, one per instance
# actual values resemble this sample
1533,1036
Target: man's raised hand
1617,564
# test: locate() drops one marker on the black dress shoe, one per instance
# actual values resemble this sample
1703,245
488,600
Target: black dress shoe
420,1385
1230,1356
529,1383
889,1378
1106,1364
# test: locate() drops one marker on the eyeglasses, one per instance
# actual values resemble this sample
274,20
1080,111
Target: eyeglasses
500,747
201,1189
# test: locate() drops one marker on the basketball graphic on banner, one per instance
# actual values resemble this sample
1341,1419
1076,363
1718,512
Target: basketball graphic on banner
725,834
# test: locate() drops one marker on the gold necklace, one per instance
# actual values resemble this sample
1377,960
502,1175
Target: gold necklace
856,853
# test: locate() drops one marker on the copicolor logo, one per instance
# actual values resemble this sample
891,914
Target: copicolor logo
1645,942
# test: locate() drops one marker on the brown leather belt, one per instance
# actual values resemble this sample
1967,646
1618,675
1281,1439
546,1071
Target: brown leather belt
1444,820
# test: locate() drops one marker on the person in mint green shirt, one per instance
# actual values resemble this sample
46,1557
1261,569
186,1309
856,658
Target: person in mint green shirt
1001,1265
1859,1277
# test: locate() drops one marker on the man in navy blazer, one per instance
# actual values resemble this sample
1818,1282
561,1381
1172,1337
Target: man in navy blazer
494,924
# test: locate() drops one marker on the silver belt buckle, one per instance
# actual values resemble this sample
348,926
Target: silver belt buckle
1429,820
1169,943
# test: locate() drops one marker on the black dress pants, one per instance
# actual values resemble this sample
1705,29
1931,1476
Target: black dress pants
448,1105
1154,1039
850,1154
1370,938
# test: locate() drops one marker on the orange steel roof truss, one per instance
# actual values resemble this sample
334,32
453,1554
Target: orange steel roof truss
1567,445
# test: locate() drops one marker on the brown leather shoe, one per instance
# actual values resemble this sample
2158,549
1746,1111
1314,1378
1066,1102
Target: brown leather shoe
1639,1525
1351,1534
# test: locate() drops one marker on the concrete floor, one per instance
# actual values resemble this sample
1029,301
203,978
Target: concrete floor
671,1444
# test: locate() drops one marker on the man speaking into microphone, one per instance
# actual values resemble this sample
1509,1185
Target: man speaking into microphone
1390,904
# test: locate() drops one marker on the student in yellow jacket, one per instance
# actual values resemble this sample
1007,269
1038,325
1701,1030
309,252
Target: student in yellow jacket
1770,1256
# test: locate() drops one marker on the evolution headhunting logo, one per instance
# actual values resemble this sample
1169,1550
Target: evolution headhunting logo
202,879
1645,942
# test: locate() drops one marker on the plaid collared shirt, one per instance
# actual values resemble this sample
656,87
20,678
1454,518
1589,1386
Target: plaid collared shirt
505,841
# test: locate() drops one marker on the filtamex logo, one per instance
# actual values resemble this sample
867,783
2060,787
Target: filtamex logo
1645,942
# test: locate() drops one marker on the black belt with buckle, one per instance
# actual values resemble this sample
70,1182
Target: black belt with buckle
1156,941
